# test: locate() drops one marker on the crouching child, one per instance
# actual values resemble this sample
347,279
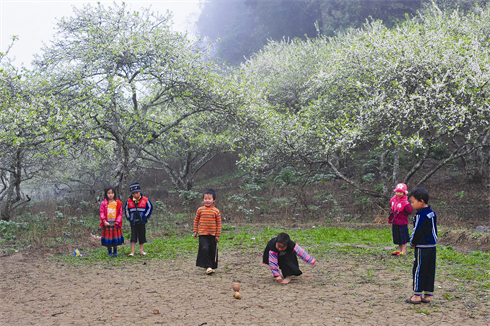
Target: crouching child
280,254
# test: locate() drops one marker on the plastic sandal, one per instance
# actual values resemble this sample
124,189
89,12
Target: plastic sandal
424,300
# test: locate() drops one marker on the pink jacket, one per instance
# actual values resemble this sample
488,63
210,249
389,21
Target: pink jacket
103,213
400,209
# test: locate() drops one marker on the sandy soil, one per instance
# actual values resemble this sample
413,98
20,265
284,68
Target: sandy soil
40,291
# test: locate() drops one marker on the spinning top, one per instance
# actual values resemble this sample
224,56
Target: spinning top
237,295
236,287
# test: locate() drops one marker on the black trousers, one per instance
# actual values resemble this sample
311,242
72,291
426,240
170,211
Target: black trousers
207,256
138,232
424,271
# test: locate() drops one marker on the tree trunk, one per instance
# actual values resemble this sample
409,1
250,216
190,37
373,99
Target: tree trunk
382,171
355,184
485,160
396,166
14,196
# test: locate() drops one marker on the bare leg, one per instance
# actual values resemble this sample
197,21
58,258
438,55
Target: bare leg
142,252
133,244
403,249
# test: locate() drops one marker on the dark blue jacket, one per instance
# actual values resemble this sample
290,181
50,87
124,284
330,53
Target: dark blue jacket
424,233
140,213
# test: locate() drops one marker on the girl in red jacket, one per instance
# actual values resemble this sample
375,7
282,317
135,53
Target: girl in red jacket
111,222
400,209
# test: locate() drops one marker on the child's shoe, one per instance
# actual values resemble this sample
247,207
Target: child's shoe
109,254
395,253
210,271
115,255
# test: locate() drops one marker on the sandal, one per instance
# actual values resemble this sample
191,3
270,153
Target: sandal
395,253
409,300
425,300
131,255
143,253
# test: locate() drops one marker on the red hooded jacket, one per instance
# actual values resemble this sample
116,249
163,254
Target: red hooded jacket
400,209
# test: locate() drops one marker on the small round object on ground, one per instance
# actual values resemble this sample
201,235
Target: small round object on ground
236,287
237,295
156,311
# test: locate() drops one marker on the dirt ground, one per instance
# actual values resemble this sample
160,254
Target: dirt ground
337,291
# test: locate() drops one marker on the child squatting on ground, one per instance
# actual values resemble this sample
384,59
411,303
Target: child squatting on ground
207,225
138,210
111,222
280,253
400,210
424,241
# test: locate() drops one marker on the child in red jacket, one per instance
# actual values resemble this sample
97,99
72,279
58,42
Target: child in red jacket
400,210
111,222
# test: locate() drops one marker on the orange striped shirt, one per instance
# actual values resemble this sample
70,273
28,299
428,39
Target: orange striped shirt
208,221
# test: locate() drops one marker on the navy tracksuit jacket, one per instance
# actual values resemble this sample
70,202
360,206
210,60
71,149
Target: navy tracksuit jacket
424,241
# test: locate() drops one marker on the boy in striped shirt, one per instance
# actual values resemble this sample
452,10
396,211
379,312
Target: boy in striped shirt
207,225
280,253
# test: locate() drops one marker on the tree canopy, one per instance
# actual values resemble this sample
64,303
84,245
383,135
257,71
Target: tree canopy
118,92
410,89
128,80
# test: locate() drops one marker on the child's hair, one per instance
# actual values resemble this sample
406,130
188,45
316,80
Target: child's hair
283,238
107,189
419,194
210,192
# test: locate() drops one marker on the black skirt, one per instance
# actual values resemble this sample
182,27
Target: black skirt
207,256
288,264
400,234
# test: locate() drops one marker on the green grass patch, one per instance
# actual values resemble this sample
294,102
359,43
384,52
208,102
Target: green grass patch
465,269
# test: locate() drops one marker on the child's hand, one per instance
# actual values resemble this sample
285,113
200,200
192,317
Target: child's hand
106,223
217,239
194,234
279,279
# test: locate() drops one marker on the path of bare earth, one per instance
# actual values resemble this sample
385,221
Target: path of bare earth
40,291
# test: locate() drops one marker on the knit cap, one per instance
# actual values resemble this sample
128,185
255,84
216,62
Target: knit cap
401,187
134,187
